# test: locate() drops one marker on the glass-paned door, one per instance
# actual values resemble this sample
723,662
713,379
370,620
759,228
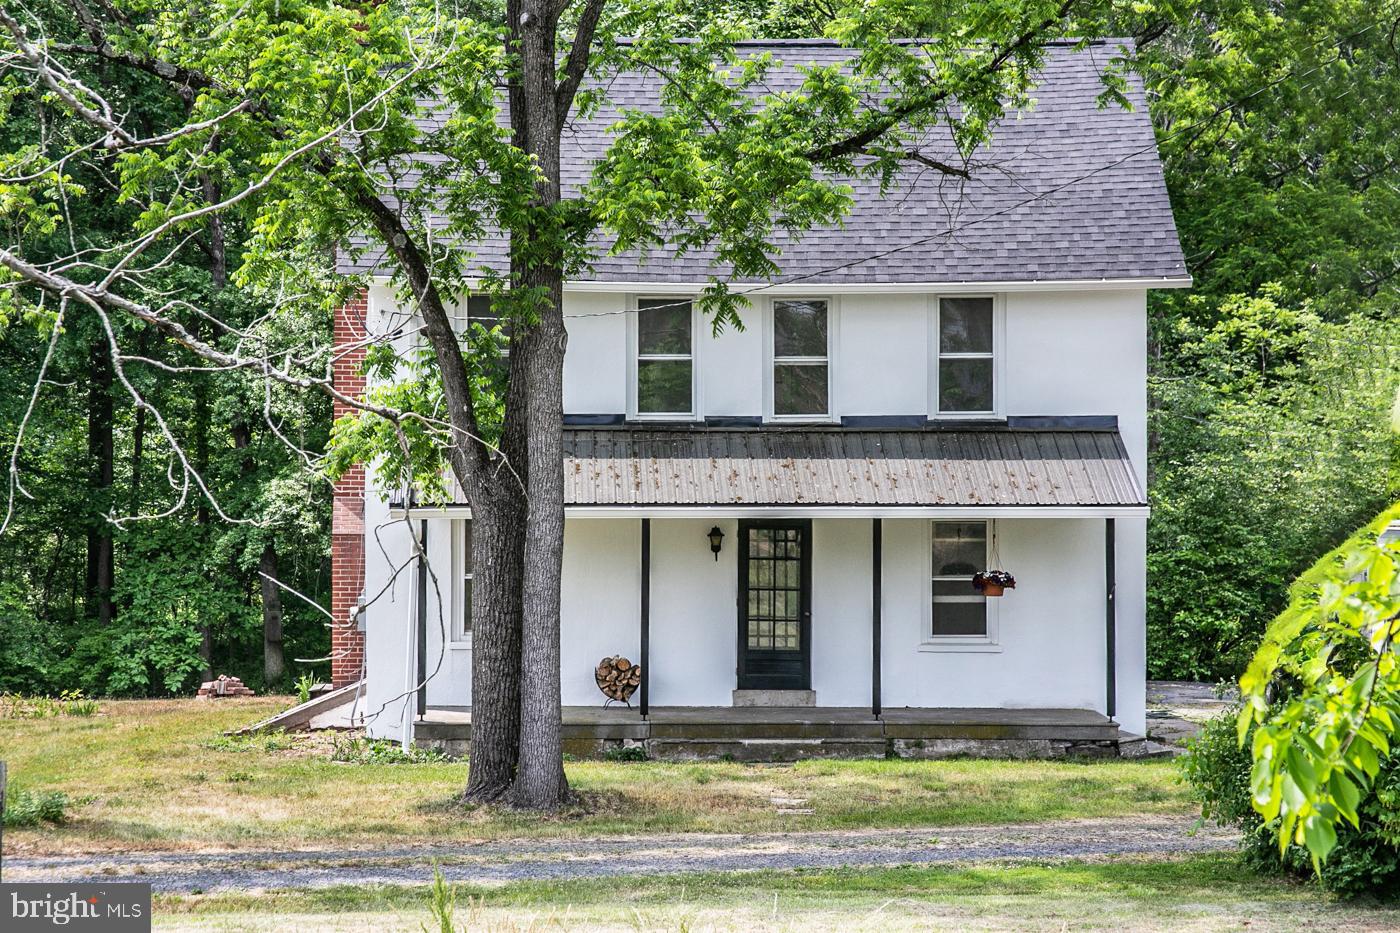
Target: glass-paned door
775,592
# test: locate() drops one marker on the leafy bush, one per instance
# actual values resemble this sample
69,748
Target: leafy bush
68,703
31,808
361,751
625,753
1365,862
1272,447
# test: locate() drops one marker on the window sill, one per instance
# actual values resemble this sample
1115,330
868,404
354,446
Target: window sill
985,647
460,645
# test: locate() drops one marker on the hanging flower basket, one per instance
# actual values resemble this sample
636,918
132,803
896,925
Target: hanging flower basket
993,582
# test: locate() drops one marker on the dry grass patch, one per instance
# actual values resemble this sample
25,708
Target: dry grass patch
1205,892
160,775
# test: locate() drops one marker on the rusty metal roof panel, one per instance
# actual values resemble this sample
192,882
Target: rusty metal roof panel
635,466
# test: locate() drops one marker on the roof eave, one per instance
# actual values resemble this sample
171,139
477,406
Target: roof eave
838,288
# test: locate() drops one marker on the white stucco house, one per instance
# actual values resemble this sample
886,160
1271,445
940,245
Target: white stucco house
781,524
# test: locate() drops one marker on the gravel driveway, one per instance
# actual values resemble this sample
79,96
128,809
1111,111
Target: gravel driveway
530,859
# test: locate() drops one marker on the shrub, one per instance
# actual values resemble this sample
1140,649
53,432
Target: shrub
30,808
1365,861
67,703
625,753
361,751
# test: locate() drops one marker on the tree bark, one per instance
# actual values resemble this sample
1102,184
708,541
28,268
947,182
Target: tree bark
100,552
274,664
498,533
540,783
218,274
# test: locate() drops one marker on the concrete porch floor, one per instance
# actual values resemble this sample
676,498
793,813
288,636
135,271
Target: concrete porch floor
792,733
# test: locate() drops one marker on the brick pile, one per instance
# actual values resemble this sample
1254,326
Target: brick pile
223,686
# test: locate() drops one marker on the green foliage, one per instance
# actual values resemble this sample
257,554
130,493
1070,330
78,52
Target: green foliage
1365,861
442,903
1272,375
303,686
361,751
1272,445
1318,752
68,703
1216,768
625,753
34,808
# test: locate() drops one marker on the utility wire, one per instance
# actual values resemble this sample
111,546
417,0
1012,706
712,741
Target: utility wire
1039,196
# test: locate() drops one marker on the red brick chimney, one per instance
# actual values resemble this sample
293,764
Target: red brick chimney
348,505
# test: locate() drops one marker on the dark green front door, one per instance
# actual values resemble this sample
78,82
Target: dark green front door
775,605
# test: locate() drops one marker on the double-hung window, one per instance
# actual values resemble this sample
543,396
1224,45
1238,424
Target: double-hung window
966,356
462,564
959,611
487,334
801,384
665,358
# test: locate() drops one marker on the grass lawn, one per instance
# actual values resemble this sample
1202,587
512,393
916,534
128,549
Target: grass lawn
160,775
1208,892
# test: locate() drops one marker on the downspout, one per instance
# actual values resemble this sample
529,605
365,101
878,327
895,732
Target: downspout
876,570
1110,618
645,609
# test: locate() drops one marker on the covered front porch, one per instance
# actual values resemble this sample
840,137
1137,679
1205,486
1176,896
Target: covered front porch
795,733
800,594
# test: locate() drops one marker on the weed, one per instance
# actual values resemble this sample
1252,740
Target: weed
360,751
268,742
442,903
31,808
625,753
304,684
67,703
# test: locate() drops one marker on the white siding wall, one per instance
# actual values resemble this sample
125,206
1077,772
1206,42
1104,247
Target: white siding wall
1051,634
1066,353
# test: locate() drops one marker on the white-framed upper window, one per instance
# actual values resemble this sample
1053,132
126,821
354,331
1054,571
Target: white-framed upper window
960,618
801,383
486,329
462,581
966,334
663,373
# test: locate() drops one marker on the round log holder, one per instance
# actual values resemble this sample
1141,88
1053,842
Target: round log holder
617,678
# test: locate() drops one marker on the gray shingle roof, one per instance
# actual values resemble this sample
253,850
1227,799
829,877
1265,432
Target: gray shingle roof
1066,191
816,467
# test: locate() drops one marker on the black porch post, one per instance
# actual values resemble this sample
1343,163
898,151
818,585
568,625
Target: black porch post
1110,616
646,613
875,573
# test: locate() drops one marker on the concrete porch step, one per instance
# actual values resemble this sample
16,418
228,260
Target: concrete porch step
795,733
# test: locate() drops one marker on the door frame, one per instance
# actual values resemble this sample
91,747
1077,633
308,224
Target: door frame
741,621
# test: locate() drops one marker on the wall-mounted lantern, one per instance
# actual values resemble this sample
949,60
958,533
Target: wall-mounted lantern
716,539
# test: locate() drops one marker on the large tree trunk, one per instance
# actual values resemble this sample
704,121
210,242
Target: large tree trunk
540,782
498,534
274,665
100,551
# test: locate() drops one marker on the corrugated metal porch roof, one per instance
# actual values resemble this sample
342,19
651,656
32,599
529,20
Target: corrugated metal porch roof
842,467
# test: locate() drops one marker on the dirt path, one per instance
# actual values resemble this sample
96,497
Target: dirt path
517,860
